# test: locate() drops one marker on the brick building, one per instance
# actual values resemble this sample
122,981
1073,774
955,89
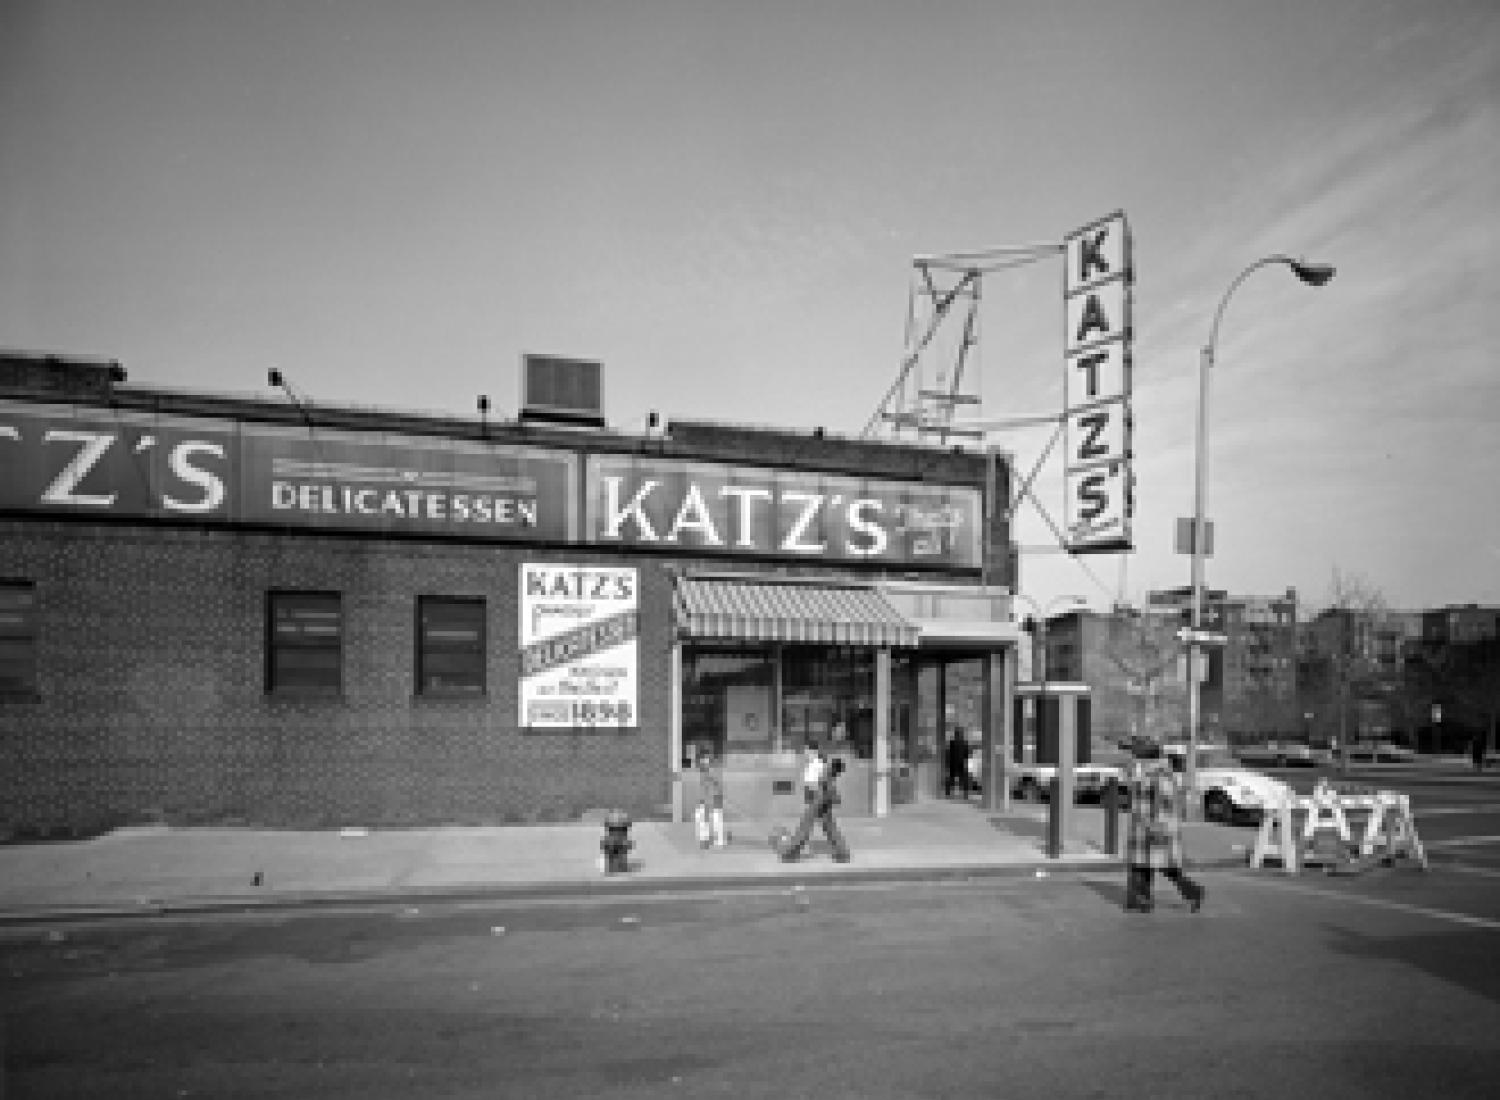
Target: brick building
1460,624
1135,665
237,610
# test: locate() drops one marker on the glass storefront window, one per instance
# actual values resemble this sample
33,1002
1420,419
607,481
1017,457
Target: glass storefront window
828,695
763,706
727,702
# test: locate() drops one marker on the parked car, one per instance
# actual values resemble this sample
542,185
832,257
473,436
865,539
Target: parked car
1380,752
1229,791
1278,754
1032,782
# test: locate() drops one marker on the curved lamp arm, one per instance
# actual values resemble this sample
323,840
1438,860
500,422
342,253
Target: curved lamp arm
1313,274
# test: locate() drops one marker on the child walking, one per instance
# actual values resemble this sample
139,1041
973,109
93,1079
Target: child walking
708,816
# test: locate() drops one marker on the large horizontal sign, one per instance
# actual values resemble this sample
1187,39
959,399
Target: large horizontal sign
579,649
1098,425
128,464
752,510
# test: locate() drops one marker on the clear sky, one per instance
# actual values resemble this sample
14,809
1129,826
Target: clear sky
392,202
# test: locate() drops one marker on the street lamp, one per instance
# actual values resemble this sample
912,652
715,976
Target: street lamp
1313,274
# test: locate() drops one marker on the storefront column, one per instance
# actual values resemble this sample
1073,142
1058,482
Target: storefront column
940,724
999,732
674,726
882,751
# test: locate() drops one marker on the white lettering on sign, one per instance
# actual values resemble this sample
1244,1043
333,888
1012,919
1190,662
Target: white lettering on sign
211,484
811,503
694,518
693,515
877,535
1097,383
322,498
61,489
746,497
739,509
615,516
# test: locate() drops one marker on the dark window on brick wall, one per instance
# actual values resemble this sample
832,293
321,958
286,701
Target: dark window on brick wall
450,645
304,643
17,639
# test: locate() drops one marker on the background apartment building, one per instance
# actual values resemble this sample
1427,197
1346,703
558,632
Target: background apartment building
1136,666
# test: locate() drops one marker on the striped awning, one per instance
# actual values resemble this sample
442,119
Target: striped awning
790,612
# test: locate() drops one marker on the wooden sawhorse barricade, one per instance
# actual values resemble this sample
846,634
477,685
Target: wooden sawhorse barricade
1325,837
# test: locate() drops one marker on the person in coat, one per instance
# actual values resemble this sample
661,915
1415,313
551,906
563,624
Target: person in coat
819,811
1154,840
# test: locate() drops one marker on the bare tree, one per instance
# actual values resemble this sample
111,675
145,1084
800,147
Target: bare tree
1144,651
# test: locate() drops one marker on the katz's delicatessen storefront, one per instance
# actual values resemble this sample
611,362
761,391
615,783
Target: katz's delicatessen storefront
223,609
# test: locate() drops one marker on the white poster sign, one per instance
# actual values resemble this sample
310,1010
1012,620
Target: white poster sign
579,632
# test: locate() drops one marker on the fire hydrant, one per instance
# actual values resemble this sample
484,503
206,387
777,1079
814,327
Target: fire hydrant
616,844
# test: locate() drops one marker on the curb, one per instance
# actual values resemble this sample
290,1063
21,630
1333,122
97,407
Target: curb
604,888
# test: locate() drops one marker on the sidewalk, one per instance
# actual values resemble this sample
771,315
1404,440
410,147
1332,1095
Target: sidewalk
160,869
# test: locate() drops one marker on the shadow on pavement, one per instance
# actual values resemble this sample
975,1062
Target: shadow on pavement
1447,956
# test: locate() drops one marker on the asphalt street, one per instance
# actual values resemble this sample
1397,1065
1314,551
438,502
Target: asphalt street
1386,985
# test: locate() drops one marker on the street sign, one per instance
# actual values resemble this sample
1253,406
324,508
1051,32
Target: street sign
1187,636
1185,537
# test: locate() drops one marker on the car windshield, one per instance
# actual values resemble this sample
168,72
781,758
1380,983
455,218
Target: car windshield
1216,758
1207,758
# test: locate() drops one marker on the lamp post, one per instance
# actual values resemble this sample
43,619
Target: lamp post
1313,274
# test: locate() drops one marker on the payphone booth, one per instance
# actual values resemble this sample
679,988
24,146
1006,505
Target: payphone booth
1054,725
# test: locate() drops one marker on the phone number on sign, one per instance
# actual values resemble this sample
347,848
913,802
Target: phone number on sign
580,713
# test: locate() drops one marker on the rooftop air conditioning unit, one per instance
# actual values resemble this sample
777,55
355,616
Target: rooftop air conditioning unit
568,392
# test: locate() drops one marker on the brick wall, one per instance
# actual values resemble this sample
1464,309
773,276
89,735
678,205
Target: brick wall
152,703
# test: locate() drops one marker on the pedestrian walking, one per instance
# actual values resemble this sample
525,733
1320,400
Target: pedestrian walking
814,767
958,764
819,811
1154,840
708,816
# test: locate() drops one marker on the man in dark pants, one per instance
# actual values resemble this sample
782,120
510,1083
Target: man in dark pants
1154,842
957,764
819,810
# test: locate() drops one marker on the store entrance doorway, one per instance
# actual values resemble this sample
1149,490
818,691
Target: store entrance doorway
935,698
